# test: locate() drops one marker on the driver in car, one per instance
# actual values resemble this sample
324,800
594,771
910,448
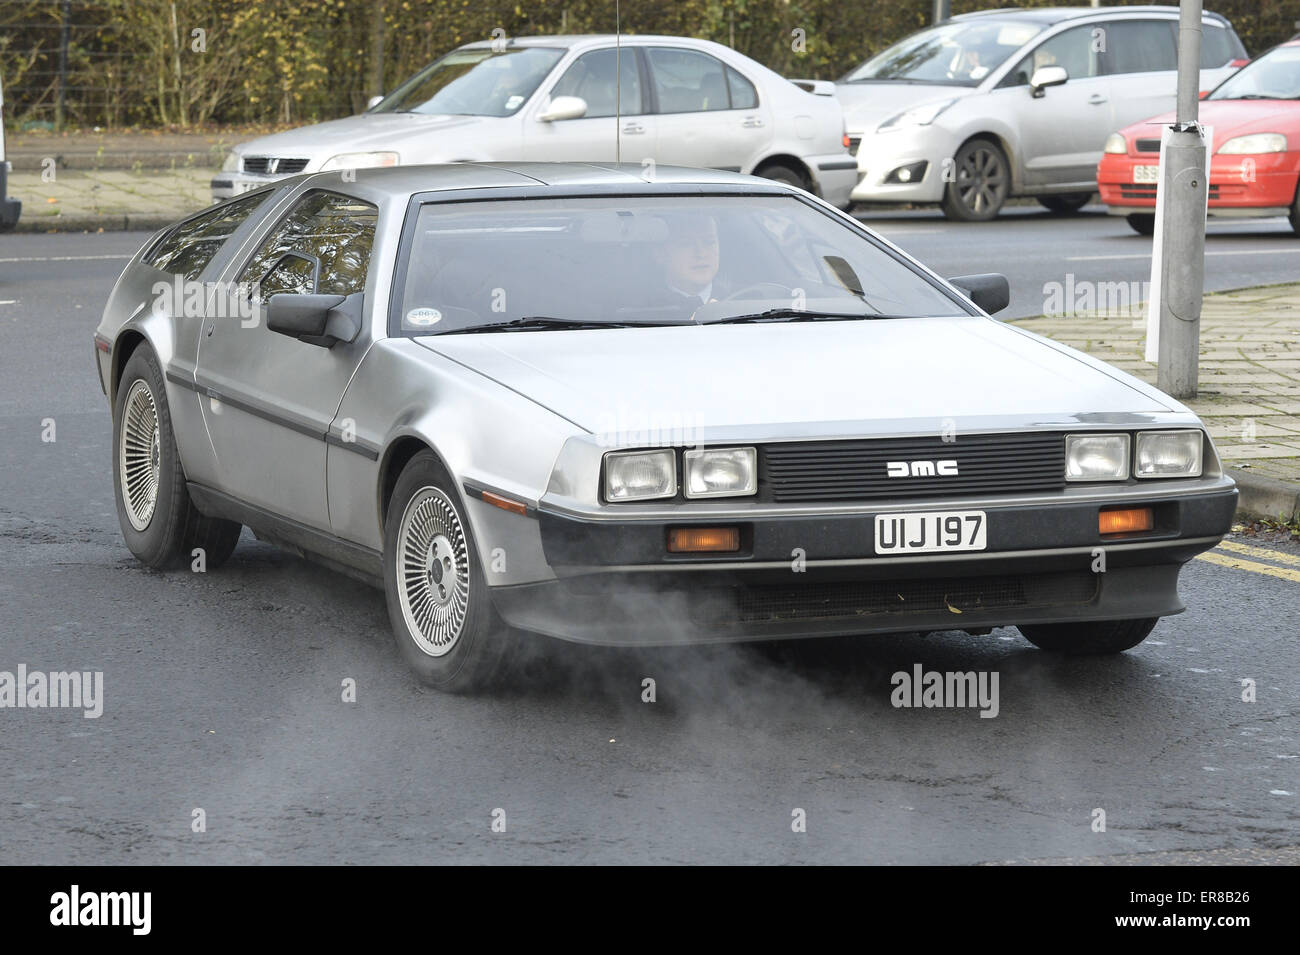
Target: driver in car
689,261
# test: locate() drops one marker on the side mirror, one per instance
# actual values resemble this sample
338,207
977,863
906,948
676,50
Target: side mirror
1046,76
323,320
989,290
564,107
374,101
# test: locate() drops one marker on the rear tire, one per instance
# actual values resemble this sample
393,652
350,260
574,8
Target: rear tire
780,172
1099,637
160,524
442,616
1294,215
981,184
1067,204
1143,223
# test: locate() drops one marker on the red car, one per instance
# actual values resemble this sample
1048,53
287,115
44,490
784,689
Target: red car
1255,165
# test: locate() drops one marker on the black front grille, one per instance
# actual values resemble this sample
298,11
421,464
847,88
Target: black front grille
923,595
268,164
1138,190
858,470
1148,145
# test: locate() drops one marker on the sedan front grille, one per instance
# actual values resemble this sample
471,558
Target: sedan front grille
986,464
271,165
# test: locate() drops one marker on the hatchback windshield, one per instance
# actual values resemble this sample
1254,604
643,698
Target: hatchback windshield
536,265
1275,75
473,82
955,54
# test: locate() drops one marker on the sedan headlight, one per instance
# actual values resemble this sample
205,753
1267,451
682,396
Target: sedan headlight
1254,144
640,475
359,161
721,472
1096,457
917,116
1115,143
1162,454
231,163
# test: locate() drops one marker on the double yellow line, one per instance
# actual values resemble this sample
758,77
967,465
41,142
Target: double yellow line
1254,566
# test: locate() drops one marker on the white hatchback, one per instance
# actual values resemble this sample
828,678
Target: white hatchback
644,99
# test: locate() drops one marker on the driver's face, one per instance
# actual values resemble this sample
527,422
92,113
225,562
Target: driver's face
691,255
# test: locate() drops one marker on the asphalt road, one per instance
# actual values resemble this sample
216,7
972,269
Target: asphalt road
223,692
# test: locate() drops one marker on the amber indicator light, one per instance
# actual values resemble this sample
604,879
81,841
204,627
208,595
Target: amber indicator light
1125,520
703,540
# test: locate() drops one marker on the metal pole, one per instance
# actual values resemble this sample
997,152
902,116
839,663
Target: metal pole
1183,180
942,10
64,29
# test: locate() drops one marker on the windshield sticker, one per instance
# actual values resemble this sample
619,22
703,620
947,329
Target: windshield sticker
423,317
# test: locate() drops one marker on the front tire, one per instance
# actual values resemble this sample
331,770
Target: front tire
1143,223
1294,215
981,183
1066,204
1099,637
160,524
442,616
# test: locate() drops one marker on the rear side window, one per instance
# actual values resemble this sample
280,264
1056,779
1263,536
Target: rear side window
336,230
1139,46
743,94
688,82
189,247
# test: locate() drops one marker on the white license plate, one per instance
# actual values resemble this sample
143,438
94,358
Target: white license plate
930,533
244,186
1146,173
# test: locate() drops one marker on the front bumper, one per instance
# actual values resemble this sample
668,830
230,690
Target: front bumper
881,155
819,575
1240,186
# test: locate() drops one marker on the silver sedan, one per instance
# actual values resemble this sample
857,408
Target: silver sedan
565,400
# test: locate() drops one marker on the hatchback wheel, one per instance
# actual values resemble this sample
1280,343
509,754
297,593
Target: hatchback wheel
160,523
1143,223
438,604
1105,636
980,183
1064,205
1295,212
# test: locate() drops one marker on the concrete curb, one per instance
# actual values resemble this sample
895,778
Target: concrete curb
1263,497
116,222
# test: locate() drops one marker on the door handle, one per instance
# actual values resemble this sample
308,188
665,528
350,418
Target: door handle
1096,99
632,129
752,122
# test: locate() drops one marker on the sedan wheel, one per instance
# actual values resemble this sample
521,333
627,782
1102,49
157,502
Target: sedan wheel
1100,637
980,185
1143,223
1064,205
438,604
159,522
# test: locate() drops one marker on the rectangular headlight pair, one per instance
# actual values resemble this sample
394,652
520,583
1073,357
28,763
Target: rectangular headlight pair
1158,454
652,475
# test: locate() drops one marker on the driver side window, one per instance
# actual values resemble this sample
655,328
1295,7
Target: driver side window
1077,49
333,230
592,78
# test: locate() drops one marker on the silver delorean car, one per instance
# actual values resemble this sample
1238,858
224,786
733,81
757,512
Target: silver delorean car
566,399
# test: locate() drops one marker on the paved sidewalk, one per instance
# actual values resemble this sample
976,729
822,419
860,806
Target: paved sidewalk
108,199
1249,394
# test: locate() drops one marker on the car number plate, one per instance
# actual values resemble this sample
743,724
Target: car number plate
1146,173
930,532
244,186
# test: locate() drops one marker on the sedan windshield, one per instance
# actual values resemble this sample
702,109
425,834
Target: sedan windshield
554,264
955,54
475,82
1275,75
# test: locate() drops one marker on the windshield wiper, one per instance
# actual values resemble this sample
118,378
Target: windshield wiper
543,322
798,315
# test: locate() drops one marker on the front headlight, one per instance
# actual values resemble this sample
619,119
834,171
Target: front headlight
1255,143
359,161
231,163
721,472
640,475
917,115
1096,457
1115,143
1163,454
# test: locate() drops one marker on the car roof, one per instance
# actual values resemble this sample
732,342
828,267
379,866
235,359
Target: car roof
1053,15
409,180
577,39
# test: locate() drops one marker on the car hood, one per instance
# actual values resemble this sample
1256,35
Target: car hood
1232,117
367,132
802,374
867,105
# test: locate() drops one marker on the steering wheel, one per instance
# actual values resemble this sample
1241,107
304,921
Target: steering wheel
783,291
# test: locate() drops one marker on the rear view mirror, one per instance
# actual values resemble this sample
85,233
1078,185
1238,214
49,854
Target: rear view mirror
374,101
989,290
1046,76
564,107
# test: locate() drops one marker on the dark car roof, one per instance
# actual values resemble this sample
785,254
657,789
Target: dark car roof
1053,15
